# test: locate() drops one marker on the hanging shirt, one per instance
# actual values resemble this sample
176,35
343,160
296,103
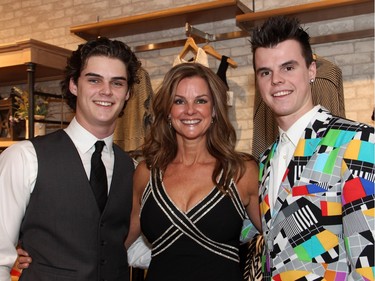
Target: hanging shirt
201,57
131,127
222,70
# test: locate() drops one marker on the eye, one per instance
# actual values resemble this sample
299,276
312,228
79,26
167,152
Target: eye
119,83
289,68
178,101
201,101
264,73
93,80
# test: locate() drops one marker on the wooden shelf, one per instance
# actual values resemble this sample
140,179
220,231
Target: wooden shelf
28,61
50,61
162,20
313,12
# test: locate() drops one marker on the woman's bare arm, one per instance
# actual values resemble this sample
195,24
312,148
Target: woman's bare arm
248,187
140,180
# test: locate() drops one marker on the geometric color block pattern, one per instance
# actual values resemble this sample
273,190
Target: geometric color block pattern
322,224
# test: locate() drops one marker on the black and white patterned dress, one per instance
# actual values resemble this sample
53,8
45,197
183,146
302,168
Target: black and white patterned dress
201,244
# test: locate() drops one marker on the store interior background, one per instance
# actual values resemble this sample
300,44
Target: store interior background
50,21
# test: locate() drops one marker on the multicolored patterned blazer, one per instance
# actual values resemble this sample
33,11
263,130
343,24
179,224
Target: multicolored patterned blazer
322,225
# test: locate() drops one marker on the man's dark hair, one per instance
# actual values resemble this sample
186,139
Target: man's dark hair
279,29
99,47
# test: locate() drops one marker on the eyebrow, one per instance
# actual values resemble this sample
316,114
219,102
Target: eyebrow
261,69
282,65
100,76
197,97
289,62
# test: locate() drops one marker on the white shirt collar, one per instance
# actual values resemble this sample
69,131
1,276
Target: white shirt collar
295,131
83,139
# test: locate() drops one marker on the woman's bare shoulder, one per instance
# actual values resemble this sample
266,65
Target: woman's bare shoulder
141,175
249,181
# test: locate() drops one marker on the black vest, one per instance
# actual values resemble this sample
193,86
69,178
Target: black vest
63,230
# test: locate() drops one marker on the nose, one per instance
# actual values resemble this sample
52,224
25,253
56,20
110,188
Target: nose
277,79
190,108
106,89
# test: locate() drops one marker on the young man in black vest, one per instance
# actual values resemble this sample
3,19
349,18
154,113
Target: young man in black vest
46,200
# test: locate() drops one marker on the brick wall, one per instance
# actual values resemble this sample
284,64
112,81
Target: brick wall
49,21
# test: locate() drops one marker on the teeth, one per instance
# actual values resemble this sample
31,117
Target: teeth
103,103
282,93
190,122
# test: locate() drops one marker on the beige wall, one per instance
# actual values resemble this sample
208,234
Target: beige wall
49,21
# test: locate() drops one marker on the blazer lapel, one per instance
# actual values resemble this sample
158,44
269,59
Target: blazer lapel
307,145
264,177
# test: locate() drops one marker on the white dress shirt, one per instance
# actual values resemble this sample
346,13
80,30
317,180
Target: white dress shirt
284,152
18,172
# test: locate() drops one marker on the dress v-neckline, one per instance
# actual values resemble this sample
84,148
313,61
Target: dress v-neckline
197,206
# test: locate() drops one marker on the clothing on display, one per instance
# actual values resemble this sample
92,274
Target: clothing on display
132,126
200,55
222,70
211,51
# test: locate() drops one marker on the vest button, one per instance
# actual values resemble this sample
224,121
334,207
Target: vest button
103,242
103,261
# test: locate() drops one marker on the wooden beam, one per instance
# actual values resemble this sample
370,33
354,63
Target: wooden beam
311,12
342,36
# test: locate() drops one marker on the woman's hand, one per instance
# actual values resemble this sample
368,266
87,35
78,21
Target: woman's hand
24,259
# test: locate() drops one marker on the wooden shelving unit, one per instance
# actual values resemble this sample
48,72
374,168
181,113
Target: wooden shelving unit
245,18
28,61
314,12
49,61
162,20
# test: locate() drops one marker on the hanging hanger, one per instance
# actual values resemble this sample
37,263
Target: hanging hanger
190,45
211,51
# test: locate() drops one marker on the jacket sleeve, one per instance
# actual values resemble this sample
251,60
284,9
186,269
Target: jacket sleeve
358,204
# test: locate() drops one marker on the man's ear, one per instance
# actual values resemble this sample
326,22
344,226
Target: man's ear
127,96
312,71
72,87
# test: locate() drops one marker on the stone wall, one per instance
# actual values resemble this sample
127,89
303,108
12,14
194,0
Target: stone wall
50,20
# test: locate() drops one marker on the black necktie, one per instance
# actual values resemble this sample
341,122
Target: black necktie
98,176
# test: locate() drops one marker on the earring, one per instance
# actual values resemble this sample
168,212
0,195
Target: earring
169,123
312,80
212,119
